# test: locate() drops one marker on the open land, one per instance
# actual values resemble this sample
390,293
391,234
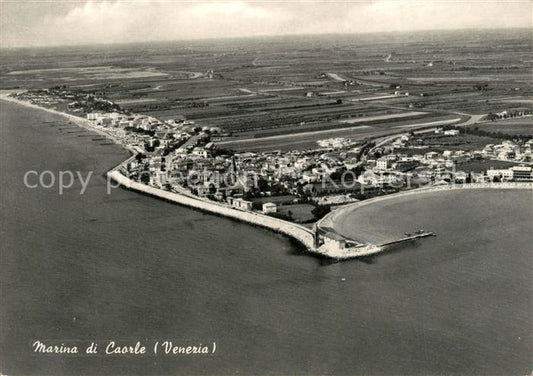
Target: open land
354,87
517,126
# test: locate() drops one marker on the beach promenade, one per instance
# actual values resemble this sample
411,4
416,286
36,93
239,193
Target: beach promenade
79,121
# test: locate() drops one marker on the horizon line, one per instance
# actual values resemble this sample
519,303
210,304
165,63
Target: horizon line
202,39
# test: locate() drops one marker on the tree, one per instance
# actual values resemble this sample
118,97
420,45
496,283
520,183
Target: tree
262,184
145,177
358,170
320,211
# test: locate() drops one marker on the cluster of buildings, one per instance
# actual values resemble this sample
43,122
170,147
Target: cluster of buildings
443,167
180,156
40,98
62,99
508,151
515,173
326,176
510,114
148,133
334,143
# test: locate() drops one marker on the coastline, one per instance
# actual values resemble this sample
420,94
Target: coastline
300,233
305,236
79,121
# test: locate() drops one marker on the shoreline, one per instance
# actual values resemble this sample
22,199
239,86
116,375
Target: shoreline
79,121
303,235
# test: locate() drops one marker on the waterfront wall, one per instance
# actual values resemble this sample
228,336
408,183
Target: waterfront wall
302,234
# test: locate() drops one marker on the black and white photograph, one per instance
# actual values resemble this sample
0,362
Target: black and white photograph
252,187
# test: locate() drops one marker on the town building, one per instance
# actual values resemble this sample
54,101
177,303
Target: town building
269,207
522,173
451,132
240,203
382,163
334,241
500,174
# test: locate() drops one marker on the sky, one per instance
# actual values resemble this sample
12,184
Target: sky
28,23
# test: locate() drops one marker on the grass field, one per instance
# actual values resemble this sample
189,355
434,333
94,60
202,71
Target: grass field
483,165
440,143
300,212
307,140
517,126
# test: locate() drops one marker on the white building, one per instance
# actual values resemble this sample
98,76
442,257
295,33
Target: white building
382,163
503,175
522,173
200,151
451,132
93,116
269,207
240,203
334,241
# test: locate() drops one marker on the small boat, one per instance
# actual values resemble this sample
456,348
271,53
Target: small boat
407,234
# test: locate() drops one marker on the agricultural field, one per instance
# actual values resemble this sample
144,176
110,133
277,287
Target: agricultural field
483,165
516,126
288,92
308,140
429,142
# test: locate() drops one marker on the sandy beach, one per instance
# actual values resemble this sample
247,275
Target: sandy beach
81,122
335,219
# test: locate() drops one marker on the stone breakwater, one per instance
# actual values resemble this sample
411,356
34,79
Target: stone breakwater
302,234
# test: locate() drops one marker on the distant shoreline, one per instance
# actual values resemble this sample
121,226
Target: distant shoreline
79,121
217,39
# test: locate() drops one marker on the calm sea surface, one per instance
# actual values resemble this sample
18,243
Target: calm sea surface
127,267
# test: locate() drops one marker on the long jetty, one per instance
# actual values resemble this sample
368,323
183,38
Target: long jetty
409,238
